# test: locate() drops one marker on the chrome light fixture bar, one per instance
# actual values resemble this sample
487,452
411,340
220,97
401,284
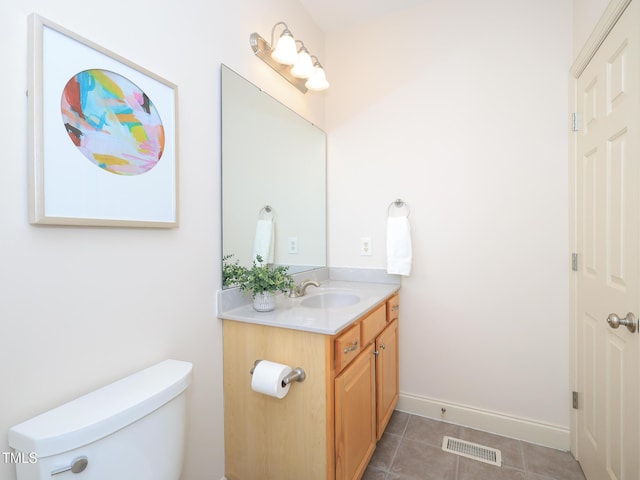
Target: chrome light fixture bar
295,65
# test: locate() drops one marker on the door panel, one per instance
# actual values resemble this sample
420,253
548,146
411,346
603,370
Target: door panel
608,243
355,404
387,384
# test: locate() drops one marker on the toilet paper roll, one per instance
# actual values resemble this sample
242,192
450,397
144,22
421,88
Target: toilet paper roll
267,378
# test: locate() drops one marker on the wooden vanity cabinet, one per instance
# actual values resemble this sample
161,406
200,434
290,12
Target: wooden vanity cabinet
355,413
387,366
326,428
387,385
367,391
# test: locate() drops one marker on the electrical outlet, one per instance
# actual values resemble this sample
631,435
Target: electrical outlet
365,246
292,243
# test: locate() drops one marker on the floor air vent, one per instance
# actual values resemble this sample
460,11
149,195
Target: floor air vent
472,450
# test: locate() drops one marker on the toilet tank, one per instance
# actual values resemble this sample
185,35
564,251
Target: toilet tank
133,429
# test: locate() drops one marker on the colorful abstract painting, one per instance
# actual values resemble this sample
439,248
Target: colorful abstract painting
112,122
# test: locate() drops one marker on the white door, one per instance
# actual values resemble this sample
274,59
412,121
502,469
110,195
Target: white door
608,243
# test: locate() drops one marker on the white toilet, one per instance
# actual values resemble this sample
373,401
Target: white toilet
133,429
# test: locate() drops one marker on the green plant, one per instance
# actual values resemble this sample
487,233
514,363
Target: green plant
259,278
231,272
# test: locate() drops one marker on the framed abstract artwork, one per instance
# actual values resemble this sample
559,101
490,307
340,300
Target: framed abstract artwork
102,135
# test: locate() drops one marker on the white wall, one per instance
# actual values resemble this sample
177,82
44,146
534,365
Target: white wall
460,109
81,307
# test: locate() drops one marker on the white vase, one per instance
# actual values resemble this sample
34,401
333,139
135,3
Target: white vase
264,302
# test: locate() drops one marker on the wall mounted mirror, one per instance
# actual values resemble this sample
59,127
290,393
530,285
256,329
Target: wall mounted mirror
273,157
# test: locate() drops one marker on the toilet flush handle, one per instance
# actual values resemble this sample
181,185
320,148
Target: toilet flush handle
78,465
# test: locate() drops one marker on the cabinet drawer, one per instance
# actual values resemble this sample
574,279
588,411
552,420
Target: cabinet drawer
393,308
347,346
373,324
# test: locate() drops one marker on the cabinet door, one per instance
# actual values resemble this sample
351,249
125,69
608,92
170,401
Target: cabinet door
355,416
388,388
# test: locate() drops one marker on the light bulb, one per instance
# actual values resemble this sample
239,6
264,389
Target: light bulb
303,68
285,52
318,80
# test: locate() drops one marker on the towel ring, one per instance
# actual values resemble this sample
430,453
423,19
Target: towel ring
398,203
266,213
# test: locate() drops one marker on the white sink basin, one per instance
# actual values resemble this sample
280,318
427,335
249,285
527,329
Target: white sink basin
330,300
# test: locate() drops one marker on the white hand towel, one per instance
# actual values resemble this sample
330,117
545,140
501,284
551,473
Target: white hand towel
399,252
264,241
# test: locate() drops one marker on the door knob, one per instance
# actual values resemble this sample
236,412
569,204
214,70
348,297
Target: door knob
629,321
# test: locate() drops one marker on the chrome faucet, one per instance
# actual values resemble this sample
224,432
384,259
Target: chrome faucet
301,289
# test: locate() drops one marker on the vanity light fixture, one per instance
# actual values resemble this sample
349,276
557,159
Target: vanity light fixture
295,64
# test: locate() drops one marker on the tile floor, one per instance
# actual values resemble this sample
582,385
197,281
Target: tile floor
411,449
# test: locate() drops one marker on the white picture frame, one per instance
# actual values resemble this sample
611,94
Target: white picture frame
67,187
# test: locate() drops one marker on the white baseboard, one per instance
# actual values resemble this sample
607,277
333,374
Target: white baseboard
548,435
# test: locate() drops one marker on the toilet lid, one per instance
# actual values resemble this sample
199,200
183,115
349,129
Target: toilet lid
102,412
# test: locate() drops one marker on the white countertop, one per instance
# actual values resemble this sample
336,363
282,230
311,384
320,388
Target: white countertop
290,313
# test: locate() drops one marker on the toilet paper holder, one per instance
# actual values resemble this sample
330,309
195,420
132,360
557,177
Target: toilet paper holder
296,375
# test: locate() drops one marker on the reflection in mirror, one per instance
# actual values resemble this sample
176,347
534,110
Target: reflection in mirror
271,157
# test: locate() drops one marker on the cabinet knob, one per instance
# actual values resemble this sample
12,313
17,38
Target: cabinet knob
381,347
